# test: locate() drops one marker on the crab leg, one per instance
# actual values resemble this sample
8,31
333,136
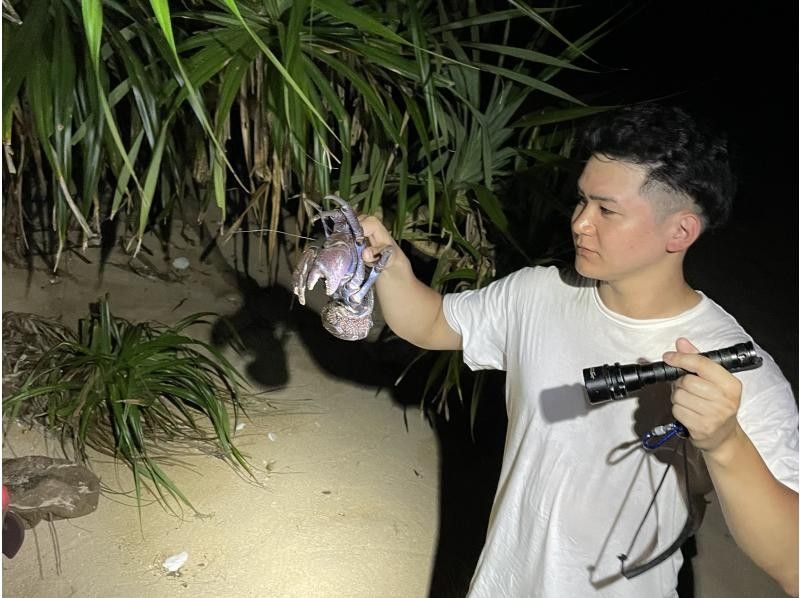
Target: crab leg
373,276
351,217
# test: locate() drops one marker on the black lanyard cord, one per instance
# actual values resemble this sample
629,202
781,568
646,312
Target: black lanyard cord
686,532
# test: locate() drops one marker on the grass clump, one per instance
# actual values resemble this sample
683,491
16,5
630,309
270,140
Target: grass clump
138,392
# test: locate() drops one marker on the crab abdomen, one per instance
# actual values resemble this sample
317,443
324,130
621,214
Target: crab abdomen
348,323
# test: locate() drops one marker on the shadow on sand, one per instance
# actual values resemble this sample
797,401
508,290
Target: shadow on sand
469,468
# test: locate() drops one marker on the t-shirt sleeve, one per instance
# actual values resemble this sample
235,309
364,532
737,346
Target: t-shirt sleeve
769,418
483,317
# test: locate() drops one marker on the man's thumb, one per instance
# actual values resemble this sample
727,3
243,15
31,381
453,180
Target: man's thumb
684,346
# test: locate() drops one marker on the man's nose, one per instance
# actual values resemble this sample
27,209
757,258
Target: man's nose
582,220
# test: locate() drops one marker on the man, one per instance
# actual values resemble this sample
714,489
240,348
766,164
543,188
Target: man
572,491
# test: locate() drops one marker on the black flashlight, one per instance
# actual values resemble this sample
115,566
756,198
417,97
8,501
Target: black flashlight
613,382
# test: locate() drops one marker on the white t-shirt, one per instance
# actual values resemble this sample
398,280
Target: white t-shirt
575,483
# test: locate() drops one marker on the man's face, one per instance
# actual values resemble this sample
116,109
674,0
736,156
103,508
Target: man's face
616,232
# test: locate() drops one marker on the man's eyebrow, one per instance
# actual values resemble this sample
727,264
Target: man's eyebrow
596,197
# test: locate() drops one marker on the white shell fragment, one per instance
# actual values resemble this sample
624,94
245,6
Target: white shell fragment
240,426
175,562
272,437
180,263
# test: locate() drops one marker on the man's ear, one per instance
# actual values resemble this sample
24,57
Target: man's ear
686,228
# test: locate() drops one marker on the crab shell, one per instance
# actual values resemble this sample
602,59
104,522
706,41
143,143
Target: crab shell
348,323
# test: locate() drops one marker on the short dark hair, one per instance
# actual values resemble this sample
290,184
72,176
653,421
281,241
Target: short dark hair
680,152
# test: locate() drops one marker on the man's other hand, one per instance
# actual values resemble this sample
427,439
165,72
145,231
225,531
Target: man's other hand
705,400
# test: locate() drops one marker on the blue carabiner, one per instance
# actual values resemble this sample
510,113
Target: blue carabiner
661,434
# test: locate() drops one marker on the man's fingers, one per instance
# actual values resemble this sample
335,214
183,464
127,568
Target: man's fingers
703,367
683,348
374,230
371,254
687,358
706,399
683,345
691,362
377,236
696,386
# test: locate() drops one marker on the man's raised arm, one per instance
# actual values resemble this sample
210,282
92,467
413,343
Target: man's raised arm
412,309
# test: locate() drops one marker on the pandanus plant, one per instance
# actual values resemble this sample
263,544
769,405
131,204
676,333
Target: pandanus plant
140,392
421,111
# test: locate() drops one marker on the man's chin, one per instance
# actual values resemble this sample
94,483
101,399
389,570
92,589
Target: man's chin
586,270
581,267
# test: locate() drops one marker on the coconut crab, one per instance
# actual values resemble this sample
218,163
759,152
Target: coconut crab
348,314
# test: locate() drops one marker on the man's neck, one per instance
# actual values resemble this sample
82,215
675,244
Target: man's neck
648,299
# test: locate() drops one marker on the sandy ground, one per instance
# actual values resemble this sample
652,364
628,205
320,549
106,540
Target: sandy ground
346,503
357,494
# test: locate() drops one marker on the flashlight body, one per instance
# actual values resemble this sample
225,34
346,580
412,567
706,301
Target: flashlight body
614,382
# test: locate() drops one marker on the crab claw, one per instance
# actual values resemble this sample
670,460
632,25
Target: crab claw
300,274
334,262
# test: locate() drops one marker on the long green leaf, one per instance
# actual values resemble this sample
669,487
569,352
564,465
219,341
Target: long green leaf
231,4
531,82
92,13
20,53
358,17
536,15
549,117
525,54
163,16
150,181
